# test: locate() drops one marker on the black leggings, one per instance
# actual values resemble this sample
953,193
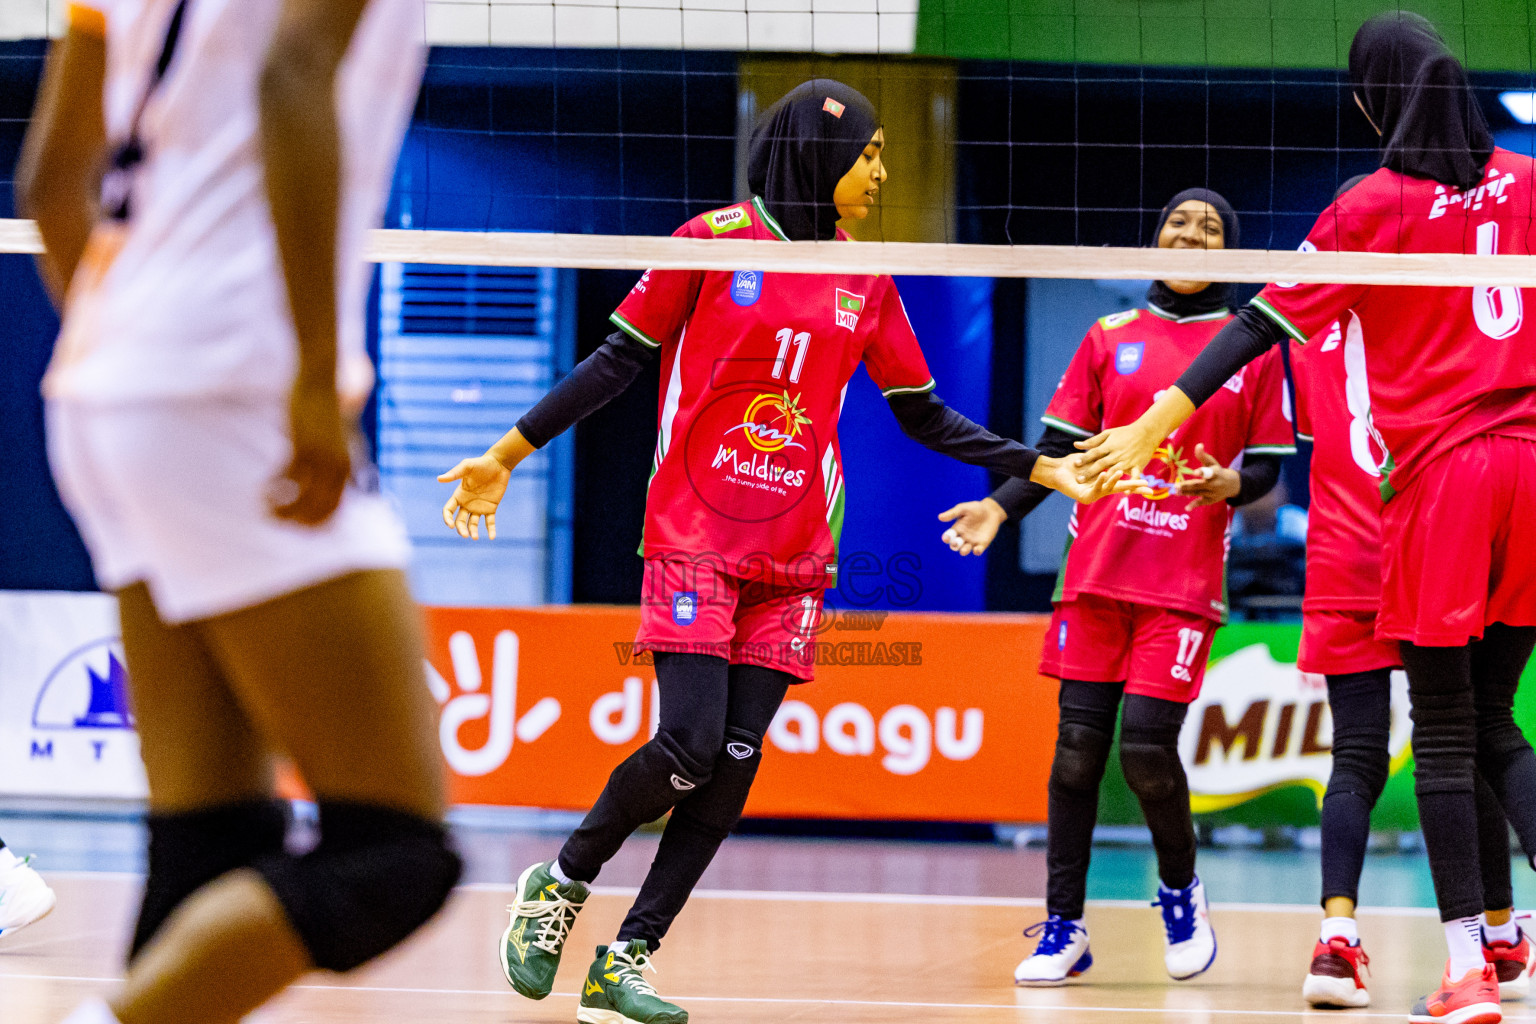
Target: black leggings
1149,737
699,765
1361,703
1463,724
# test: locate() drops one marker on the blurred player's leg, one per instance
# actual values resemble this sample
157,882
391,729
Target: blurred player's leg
1085,731
332,674
1505,944
210,776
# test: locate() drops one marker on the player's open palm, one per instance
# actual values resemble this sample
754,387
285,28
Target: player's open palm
482,483
1064,475
1214,483
974,525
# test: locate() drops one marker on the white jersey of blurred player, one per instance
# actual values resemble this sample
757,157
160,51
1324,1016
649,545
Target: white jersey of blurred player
177,351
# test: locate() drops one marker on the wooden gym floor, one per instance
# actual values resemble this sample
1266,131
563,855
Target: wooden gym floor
747,957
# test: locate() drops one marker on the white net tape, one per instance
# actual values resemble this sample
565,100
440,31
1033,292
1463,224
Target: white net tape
641,252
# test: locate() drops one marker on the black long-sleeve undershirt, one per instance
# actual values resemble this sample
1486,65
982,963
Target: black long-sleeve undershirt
924,417
1019,498
596,381
1246,336
928,421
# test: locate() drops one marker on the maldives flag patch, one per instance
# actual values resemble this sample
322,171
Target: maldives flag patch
833,107
847,309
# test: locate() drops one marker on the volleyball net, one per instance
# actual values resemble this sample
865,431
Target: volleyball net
1024,138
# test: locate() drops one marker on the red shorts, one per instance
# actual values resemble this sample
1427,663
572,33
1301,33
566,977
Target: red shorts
1457,549
1336,642
1157,652
694,608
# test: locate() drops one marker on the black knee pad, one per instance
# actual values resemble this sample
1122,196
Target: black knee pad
714,810
376,876
675,765
1081,754
1152,770
1362,771
190,849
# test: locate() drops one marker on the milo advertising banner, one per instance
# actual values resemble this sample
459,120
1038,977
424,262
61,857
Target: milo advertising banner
1258,742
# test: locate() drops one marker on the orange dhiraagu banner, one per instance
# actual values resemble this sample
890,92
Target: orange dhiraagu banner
911,716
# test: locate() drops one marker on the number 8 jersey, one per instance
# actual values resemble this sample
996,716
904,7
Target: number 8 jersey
747,471
1446,364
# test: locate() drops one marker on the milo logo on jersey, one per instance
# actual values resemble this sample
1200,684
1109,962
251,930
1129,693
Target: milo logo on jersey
722,221
751,453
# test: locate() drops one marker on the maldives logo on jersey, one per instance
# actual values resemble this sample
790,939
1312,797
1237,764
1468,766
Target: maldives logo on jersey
1174,466
847,308
722,221
772,422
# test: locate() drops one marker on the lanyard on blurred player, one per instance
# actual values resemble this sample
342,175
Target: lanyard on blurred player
116,184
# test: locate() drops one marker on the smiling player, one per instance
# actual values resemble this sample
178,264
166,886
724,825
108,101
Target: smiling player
1142,587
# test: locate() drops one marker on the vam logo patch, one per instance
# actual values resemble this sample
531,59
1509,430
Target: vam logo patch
1128,356
685,607
746,287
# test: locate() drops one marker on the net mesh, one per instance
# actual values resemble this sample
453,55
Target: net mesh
593,129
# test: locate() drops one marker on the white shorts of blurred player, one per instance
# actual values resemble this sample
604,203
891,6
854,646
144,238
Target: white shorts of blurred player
174,494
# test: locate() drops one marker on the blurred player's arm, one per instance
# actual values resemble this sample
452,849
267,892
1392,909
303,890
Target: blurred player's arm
1127,450
596,381
58,177
301,151
975,523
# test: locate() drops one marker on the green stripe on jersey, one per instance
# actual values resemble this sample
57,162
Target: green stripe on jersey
888,392
633,331
1272,449
1063,425
1279,318
773,225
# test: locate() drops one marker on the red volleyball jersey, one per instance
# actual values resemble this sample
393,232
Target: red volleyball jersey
1159,551
1445,364
1333,411
747,470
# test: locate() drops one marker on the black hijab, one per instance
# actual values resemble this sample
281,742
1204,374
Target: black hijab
801,148
1416,92
1215,296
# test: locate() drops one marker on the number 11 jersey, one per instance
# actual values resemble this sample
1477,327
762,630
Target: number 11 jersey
747,472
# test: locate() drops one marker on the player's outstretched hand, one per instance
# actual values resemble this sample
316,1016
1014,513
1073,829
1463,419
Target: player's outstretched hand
482,483
310,488
1064,475
1115,453
975,524
1215,483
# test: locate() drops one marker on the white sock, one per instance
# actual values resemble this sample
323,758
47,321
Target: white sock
559,876
1465,939
1507,932
8,859
92,1011
1341,928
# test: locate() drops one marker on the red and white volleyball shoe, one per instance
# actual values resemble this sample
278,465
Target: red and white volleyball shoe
1334,980
1512,963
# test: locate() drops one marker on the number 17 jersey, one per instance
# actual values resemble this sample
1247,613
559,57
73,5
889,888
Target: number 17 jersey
747,471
